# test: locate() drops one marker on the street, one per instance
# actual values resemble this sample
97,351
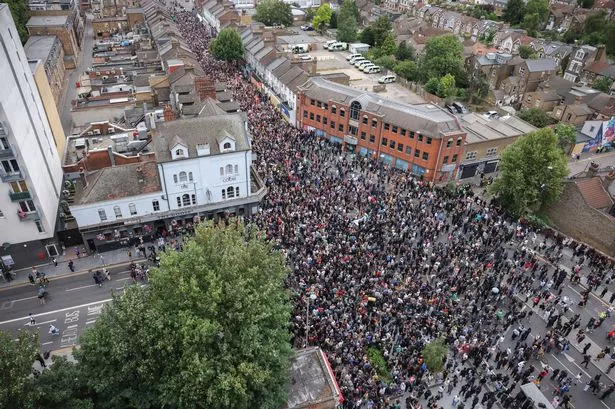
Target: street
602,159
74,303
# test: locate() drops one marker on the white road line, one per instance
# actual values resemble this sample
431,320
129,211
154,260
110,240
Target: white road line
27,324
121,279
74,307
80,288
90,322
47,343
24,299
605,404
71,326
582,370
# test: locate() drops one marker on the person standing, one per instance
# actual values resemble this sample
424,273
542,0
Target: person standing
55,262
33,321
607,392
71,266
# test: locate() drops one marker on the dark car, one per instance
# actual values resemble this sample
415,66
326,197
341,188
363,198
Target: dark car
307,28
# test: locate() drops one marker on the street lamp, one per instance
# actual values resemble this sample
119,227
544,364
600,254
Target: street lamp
311,296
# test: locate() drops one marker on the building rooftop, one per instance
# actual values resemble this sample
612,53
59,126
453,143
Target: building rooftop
39,47
594,193
480,129
42,21
201,130
541,64
313,382
117,182
427,119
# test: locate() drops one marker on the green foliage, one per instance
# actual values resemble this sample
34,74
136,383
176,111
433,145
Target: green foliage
432,86
442,55
434,354
603,84
597,30
532,172
536,117
273,13
379,363
514,11
347,22
408,70
227,46
539,7
566,136
404,52
367,36
386,62
309,13
382,29
333,21
21,14
525,51
539,220
16,359
446,88
478,87
388,46
322,17
210,331
63,386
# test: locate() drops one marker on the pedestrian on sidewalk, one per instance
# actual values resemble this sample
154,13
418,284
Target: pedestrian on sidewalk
586,360
8,275
71,266
586,348
607,392
40,359
55,261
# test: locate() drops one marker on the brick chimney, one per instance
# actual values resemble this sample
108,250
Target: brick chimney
169,115
205,87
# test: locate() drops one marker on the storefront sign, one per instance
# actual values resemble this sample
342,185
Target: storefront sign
350,139
448,168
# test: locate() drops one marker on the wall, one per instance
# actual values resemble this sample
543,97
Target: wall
573,217
99,159
66,34
50,108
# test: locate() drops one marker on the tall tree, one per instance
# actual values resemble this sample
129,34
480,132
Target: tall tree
447,88
408,70
536,117
211,331
442,55
532,172
274,12
227,46
21,14
347,22
603,84
388,46
16,359
367,36
514,11
322,17
64,386
333,21
566,136
382,29
525,51
404,51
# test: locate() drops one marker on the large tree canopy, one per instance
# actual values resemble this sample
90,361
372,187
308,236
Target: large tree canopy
16,359
274,12
347,22
532,172
227,46
442,55
211,331
322,17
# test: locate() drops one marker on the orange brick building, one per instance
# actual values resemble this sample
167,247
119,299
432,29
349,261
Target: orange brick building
423,139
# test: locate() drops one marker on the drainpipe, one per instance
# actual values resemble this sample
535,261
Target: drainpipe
435,171
166,190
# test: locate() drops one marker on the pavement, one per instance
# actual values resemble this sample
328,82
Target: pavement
603,159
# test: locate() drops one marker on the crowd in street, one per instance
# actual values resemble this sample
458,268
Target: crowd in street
384,259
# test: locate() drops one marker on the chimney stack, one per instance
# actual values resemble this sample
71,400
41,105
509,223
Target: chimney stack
169,115
111,156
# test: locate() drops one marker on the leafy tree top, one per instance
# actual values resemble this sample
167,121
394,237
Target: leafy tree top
322,17
274,12
227,46
442,55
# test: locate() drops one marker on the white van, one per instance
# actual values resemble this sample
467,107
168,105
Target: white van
328,43
386,79
372,69
351,56
356,60
366,66
363,64
338,47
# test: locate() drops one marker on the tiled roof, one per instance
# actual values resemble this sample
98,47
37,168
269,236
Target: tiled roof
594,193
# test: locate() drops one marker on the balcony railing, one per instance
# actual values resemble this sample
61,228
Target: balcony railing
28,216
10,176
7,153
17,196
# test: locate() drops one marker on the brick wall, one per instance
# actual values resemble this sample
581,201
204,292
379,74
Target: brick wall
573,217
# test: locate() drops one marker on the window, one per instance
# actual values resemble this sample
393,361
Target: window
39,226
325,106
193,197
400,147
425,156
342,113
411,134
229,169
340,127
429,140
402,132
352,130
324,120
10,166
236,168
186,200
230,192
419,138
521,70
190,178
18,187
363,136
102,215
4,143
333,109
183,176
237,191
470,155
132,208
374,123
305,113
227,145
355,108
384,141
317,118
312,102
223,194
454,159
332,125
364,120
459,141
449,143
445,160
117,211
179,201
312,116
174,178
408,150
417,153
394,130
156,205
319,104
579,55
179,152
221,171
387,127
392,144
372,138
492,151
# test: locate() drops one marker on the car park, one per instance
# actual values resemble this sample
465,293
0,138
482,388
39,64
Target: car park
353,61
366,66
352,56
363,64
328,43
373,69
307,28
387,79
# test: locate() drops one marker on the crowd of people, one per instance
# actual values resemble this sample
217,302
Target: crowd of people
383,259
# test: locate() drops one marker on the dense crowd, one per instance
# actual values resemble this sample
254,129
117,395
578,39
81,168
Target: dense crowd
381,258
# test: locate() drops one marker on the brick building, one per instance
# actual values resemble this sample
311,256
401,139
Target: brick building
48,50
61,27
423,139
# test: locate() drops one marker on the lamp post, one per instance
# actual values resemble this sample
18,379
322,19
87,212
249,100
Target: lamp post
311,296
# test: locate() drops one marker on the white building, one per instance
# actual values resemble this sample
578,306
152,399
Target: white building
191,168
30,169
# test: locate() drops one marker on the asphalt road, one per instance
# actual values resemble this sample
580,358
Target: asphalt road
73,304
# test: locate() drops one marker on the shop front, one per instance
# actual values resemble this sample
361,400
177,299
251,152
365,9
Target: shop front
350,143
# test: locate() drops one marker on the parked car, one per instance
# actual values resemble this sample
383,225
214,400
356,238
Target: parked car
338,47
307,28
351,56
353,61
372,69
366,66
306,57
456,108
328,43
387,79
363,64
492,115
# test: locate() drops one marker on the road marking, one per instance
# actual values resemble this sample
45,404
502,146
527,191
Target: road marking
47,343
56,311
27,324
122,279
575,364
81,288
24,299
605,404
90,322
71,326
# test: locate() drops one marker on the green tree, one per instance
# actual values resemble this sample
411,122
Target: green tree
434,354
333,21
602,84
347,22
404,52
532,23
442,55
539,7
446,87
63,386
21,14
514,11
536,117
433,86
322,17
532,172
388,46
210,331
367,36
273,13
382,29
407,70
227,46
525,51
16,359
385,61
566,136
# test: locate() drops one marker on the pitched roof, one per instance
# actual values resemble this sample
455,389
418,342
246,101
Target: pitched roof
593,193
541,64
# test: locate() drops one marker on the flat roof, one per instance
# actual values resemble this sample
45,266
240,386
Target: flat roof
41,21
480,129
313,382
39,47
